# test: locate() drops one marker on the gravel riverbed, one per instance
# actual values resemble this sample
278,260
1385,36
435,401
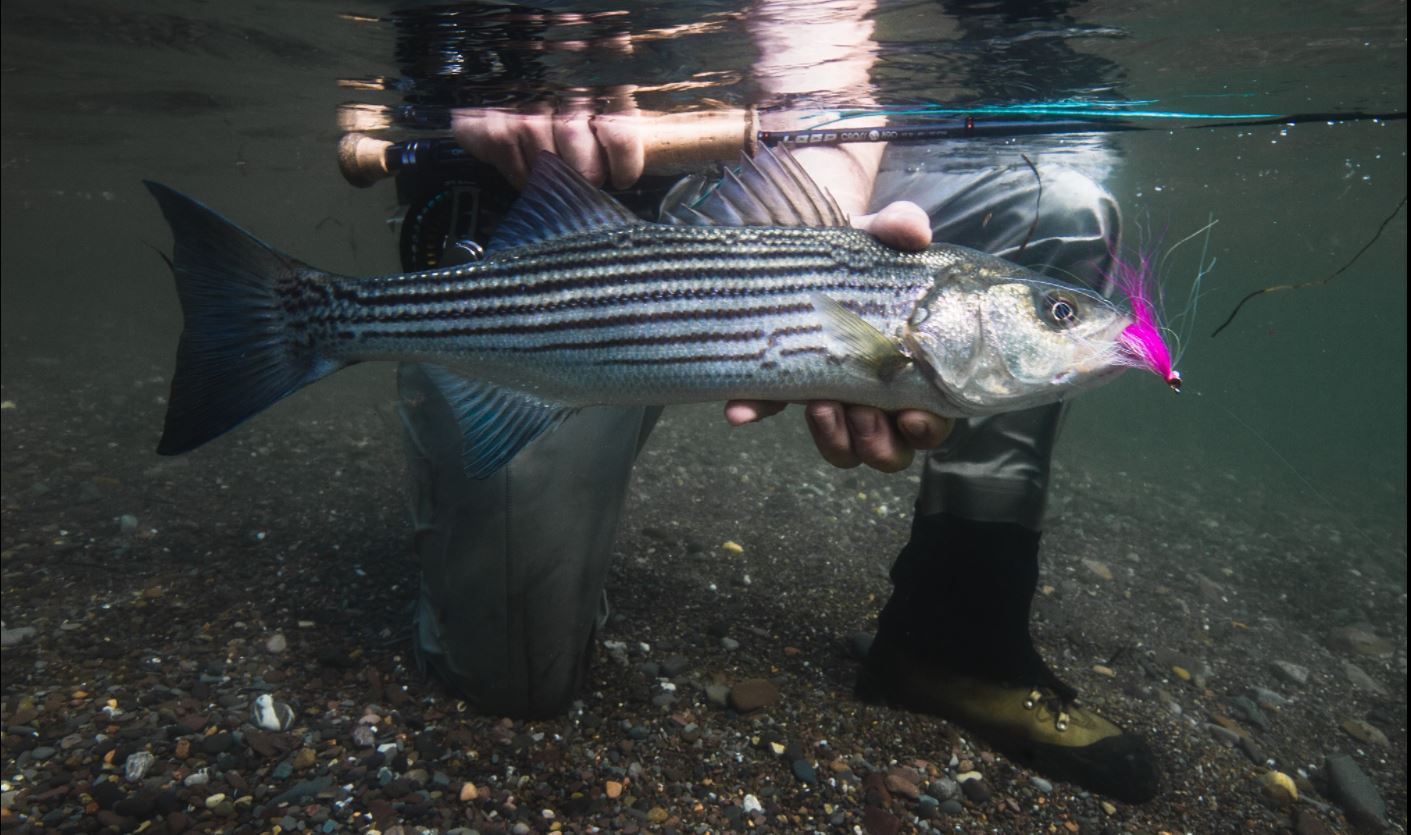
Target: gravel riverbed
149,602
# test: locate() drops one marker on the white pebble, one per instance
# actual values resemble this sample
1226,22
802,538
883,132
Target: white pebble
136,765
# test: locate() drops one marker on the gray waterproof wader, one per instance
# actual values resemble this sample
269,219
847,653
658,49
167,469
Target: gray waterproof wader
513,567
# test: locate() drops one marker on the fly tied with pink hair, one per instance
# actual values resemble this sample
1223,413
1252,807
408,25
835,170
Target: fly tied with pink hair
1141,343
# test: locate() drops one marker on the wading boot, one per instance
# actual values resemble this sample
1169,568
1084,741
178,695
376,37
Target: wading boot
953,641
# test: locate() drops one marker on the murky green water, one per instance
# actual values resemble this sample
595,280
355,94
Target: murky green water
1303,397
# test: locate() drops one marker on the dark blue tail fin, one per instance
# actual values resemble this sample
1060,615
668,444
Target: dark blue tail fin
245,343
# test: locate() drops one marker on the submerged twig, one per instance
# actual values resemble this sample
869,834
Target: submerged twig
1317,282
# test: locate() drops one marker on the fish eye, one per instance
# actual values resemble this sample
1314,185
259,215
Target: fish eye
1061,310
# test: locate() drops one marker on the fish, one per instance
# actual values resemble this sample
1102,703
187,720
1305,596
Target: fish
755,289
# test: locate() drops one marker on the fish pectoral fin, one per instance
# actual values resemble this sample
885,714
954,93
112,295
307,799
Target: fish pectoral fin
495,422
858,341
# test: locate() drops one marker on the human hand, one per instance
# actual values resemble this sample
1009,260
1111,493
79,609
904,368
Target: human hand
847,435
601,146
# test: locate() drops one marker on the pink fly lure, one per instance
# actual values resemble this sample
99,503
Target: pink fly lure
1141,342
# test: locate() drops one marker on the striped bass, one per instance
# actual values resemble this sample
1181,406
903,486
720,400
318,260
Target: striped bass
759,290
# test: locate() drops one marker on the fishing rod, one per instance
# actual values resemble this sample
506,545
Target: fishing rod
680,140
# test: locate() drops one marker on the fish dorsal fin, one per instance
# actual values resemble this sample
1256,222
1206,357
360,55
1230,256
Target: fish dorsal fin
769,189
557,201
858,341
495,422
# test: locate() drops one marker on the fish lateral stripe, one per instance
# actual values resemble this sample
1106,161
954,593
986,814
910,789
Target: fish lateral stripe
687,270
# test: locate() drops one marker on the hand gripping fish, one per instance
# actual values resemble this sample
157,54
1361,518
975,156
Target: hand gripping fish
756,290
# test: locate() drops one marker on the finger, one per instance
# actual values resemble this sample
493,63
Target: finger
741,412
875,441
923,430
573,137
490,136
535,133
901,225
622,134
827,424
624,145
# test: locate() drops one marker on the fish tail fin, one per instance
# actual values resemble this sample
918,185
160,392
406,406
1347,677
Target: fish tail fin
244,344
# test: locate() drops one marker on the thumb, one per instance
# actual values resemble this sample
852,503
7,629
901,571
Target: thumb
901,225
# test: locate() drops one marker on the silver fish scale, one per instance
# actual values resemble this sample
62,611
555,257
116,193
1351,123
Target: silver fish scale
646,314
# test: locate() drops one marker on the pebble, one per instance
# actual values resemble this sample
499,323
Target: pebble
1253,751
718,694
469,792
952,807
10,637
277,643
878,821
753,694
1041,784
1267,699
977,790
1306,822
197,778
137,765
1291,671
1098,568
1355,792
732,547
805,772
903,784
729,644
305,758
1279,787
1361,680
1356,641
127,524
1250,712
751,804
674,666
1223,734
269,715
1365,731
945,788
217,743
1104,670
